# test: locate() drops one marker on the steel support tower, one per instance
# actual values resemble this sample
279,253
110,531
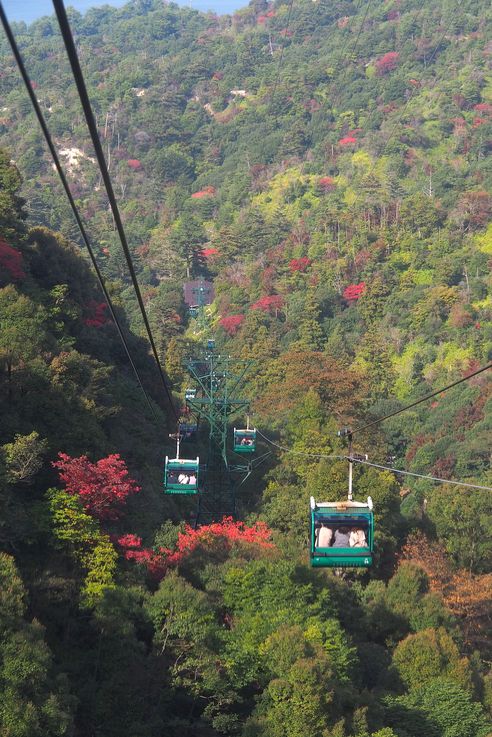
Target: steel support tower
218,380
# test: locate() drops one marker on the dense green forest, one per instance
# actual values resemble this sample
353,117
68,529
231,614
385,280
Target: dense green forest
327,165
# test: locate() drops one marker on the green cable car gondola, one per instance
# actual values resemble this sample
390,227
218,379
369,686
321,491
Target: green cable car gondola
181,475
342,534
245,440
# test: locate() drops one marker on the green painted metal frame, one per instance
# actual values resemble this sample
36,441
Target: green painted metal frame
177,465
240,435
342,557
218,379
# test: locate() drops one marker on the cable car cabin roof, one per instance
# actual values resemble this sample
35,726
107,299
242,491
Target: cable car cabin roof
246,432
341,506
182,464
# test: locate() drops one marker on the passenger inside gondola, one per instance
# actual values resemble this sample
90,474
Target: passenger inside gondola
357,538
247,441
172,477
324,536
183,478
341,537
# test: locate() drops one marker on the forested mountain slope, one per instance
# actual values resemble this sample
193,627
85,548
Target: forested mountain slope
328,166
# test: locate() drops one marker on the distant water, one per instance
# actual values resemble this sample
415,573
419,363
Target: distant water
30,10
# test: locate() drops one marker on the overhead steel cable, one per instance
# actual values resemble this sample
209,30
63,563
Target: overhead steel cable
355,459
423,399
91,124
421,475
331,456
61,174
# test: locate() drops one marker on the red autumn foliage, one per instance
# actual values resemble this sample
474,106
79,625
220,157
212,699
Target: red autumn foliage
387,63
229,529
270,14
232,323
327,184
11,261
130,541
218,75
261,19
343,22
414,82
270,302
354,291
97,316
347,141
477,122
103,487
483,107
225,534
286,32
203,193
299,264
207,252
34,85
134,164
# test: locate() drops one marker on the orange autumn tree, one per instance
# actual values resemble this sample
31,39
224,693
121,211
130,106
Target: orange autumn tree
293,374
467,596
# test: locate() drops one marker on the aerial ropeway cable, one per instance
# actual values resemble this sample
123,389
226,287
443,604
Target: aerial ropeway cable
423,399
91,124
365,461
66,187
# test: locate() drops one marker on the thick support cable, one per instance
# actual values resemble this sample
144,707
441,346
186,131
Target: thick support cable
355,459
421,475
423,399
91,124
61,174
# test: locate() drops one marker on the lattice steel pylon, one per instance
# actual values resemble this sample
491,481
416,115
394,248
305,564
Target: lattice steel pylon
218,380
